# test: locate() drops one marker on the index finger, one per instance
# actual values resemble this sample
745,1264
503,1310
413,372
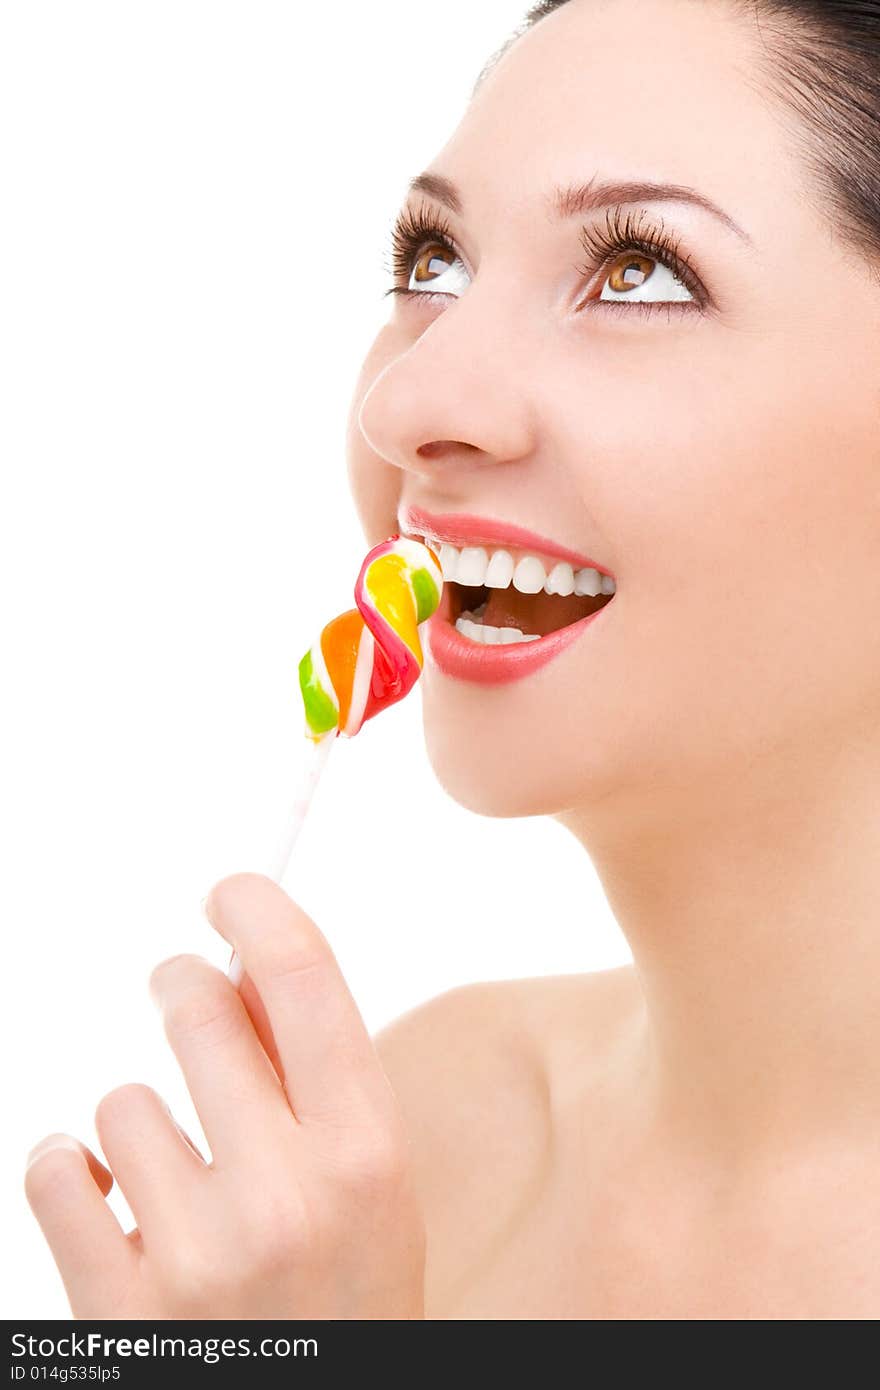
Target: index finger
329,1067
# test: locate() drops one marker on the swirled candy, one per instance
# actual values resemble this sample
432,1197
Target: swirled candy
371,656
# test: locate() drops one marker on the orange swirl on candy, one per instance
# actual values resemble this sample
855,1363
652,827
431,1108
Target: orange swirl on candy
371,656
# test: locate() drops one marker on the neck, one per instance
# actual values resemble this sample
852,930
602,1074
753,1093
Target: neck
753,915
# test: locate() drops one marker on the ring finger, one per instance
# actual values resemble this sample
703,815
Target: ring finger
150,1158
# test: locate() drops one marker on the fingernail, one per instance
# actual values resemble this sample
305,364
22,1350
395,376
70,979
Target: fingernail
55,1141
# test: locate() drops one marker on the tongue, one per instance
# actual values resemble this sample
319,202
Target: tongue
540,613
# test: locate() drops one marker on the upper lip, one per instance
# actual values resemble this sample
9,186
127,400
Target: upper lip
455,527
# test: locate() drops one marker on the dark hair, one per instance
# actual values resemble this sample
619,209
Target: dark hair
821,59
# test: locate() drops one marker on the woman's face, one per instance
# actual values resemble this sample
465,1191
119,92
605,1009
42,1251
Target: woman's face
715,447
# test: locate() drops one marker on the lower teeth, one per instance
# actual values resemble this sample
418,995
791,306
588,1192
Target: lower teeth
491,636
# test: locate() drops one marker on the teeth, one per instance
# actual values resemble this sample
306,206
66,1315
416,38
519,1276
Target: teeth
529,576
489,636
560,580
588,582
499,571
449,563
472,565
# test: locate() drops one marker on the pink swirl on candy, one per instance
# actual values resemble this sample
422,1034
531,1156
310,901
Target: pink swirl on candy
371,656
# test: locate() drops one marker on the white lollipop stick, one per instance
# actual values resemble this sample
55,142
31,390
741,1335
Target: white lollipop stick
387,662
314,761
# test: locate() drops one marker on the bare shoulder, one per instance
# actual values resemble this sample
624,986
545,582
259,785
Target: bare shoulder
478,1049
478,1072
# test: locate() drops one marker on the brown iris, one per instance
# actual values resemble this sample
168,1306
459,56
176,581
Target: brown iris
630,271
430,263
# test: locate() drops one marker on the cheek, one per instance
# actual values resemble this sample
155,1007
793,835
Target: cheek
737,500
375,484
743,518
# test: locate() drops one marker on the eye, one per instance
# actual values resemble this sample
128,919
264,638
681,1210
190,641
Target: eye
640,264
643,279
434,269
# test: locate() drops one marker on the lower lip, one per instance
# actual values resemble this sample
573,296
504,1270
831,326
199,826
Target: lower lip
456,655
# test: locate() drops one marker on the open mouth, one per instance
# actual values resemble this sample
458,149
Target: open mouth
503,594
497,616
512,600
515,596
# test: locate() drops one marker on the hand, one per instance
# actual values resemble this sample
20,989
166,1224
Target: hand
307,1209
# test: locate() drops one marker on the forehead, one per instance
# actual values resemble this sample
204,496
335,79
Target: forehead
661,90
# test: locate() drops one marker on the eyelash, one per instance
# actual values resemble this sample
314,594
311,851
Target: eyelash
416,229
637,233
412,231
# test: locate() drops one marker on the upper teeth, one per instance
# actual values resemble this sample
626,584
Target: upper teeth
472,565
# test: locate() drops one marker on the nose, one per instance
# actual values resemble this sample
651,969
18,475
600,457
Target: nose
455,398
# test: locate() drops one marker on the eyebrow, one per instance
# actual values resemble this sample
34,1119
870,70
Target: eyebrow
574,199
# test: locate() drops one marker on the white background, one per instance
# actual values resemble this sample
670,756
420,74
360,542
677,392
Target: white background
196,204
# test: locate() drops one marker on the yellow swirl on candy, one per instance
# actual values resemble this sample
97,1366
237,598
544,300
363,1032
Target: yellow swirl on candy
371,656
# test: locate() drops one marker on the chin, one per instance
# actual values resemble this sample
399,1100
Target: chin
495,767
501,797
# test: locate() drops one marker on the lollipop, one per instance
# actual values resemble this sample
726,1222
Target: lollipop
371,656
365,660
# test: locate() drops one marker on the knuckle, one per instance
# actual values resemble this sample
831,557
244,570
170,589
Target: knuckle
293,956
194,1279
377,1160
201,1013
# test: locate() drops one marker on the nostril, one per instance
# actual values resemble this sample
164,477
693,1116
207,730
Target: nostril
438,447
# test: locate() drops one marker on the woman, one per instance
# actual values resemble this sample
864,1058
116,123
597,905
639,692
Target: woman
676,385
